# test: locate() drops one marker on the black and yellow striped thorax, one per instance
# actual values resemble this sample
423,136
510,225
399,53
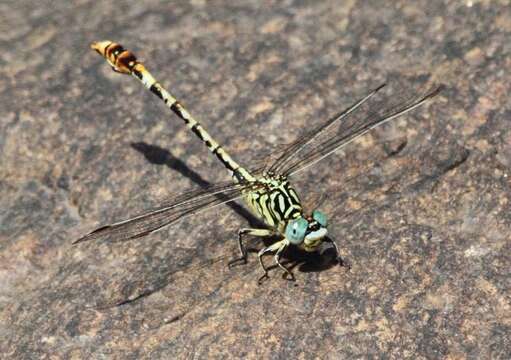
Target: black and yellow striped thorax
275,201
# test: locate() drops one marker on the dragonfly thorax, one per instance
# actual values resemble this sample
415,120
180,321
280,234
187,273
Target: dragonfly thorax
274,200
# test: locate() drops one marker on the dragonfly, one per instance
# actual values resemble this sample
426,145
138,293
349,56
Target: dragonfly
267,190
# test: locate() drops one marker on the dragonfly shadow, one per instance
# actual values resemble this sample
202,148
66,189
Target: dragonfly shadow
294,257
159,156
317,261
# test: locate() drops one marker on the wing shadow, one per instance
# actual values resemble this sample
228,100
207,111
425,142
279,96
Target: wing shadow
159,156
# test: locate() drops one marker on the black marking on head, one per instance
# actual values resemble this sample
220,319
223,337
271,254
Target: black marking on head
313,226
156,90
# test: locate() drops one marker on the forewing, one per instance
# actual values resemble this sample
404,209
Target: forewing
373,110
170,211
285,154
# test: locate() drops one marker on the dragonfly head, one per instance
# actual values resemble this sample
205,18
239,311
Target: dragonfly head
307,233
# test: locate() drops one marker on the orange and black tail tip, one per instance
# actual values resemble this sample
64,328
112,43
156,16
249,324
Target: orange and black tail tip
120,59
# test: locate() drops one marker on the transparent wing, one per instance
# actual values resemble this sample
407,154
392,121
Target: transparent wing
292,150
170,211
369,112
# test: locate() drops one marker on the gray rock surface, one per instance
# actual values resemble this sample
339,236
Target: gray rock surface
424,222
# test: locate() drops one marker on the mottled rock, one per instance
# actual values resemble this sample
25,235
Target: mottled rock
420,208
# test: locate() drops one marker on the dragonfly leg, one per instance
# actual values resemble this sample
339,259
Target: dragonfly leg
277,247
246,231
277,260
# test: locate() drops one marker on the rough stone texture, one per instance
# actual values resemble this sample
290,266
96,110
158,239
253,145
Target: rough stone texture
425,223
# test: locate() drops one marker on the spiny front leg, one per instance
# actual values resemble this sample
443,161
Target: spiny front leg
243,252
277,247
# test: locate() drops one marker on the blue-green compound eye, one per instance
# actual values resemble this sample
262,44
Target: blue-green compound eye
295,230
320,218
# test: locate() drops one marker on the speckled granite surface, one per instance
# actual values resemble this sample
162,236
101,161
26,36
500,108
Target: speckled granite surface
425,224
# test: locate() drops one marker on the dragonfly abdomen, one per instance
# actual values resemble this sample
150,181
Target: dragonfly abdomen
125,62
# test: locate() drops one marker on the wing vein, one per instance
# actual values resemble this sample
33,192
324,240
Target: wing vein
173,210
